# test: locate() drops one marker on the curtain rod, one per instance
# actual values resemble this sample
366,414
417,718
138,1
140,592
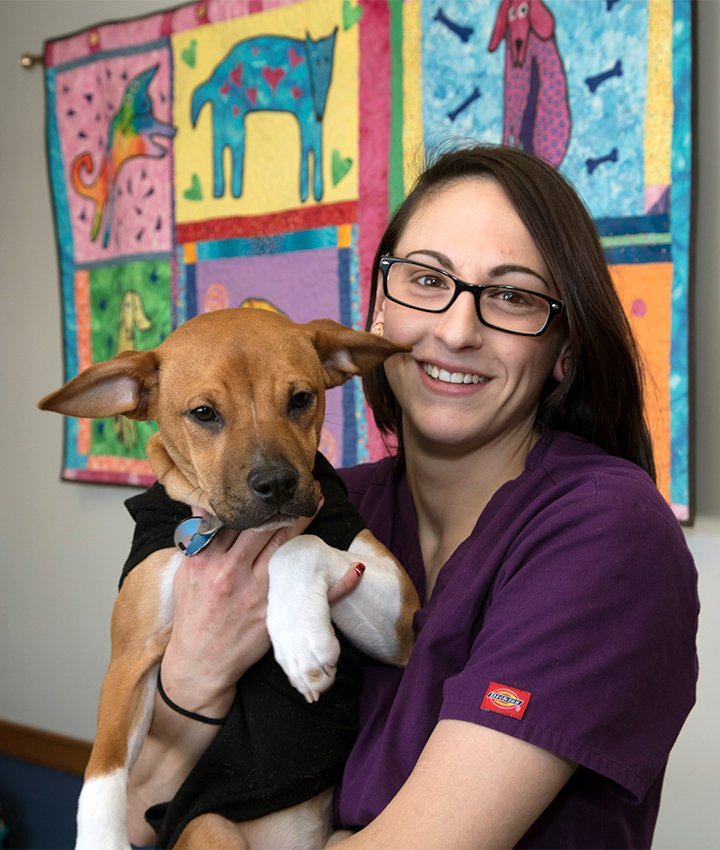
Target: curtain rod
30,60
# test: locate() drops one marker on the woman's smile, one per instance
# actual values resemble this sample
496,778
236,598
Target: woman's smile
452,377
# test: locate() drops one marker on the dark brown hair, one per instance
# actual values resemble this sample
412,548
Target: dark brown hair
601,397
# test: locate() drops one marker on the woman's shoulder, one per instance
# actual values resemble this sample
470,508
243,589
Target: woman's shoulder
574,467
576,494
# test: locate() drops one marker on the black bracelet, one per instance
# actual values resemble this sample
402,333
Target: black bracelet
214,721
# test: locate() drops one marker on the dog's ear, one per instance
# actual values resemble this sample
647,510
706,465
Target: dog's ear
345,353
541,20
500,25
126,384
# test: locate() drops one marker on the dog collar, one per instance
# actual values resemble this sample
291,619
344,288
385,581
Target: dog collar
190,535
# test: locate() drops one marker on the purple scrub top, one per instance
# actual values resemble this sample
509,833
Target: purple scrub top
567,619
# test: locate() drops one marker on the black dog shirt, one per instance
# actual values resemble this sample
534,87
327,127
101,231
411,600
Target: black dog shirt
274,750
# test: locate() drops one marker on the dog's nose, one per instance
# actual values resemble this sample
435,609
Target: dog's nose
274,486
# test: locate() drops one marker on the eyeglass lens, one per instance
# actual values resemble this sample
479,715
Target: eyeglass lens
426,289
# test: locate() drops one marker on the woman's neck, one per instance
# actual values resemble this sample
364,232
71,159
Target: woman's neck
450,489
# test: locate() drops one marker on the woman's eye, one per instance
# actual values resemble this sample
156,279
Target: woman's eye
508,296
204,414
431,281
301,401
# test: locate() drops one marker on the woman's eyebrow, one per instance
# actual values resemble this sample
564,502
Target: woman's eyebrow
441,258
498,271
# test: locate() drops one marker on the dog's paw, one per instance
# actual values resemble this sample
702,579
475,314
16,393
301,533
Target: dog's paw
298,614
308,656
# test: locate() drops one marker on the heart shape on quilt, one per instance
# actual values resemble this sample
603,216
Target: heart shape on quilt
351,14
339,166
188,54
272,76
194,193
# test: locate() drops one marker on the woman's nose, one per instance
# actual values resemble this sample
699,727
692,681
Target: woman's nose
459,327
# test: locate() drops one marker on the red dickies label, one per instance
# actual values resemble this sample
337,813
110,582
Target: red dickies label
505,700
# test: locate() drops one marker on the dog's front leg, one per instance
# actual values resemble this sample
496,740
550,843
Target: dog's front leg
141,626
298,614
377,616
102,807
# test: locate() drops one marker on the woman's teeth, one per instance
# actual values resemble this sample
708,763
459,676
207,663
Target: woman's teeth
452,377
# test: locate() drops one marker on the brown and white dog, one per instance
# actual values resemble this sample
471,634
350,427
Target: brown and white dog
239,398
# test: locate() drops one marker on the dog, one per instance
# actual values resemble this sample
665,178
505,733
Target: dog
537,112
238,396
131,133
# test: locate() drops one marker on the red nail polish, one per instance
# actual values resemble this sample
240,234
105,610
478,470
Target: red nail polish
360,569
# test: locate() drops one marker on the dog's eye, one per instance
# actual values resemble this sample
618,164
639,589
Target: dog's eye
204,414
301,401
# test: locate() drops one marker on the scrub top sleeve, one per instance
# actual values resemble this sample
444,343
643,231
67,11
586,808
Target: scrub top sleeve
591,626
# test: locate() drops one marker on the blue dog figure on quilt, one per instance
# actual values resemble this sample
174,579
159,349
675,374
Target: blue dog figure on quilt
268,73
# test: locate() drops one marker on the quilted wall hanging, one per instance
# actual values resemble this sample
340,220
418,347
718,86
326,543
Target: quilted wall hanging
247,152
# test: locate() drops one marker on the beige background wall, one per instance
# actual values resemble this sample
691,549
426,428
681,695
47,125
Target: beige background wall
61,545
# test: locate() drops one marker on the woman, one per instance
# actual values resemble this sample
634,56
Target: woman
555,658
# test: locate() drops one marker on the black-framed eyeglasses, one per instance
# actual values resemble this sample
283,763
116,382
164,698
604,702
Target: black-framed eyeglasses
505,308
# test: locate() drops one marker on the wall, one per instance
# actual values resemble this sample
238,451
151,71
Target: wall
62,544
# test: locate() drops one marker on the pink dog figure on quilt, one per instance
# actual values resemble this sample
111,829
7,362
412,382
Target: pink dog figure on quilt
537,112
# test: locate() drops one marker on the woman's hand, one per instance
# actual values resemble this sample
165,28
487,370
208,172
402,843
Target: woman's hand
220,598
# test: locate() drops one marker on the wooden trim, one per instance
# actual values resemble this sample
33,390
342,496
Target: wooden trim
45,748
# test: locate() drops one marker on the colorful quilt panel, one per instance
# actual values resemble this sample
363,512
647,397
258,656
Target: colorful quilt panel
247,152
227,153
602,89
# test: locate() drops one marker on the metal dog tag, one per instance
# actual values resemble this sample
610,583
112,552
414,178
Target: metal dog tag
194,534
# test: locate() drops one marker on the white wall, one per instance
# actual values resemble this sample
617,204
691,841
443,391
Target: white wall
61,545
690,816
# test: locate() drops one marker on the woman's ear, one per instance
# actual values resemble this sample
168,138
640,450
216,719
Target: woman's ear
562,363
379,310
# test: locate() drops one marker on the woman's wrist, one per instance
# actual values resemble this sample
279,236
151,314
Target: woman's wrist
178,709
196,691
193,704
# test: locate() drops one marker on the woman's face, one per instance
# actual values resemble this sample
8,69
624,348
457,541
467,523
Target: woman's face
471,230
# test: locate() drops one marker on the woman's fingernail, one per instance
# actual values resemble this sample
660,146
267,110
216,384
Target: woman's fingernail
360,569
